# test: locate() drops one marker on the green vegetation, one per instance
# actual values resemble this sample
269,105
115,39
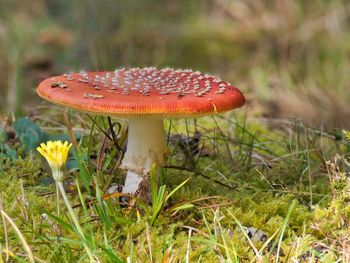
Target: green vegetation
265,186
248,197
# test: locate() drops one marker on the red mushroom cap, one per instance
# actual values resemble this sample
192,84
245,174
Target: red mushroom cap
135,92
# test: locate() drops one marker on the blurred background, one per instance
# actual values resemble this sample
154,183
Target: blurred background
290,58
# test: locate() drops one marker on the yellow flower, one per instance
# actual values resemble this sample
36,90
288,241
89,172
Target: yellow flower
56,153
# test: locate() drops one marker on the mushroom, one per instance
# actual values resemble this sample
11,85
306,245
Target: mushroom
144,96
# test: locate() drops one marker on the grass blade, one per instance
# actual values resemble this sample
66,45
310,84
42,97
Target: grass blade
20,236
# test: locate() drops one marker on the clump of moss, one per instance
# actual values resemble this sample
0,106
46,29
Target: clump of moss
21,201
331,223
333,219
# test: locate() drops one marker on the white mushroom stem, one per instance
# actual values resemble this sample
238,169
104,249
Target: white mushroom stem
146,146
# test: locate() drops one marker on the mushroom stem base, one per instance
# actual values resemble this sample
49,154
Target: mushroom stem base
132,182
146,146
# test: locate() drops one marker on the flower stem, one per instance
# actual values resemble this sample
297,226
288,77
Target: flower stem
58,206
75,220
57,200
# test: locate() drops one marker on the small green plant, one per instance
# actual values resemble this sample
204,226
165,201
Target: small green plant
161,196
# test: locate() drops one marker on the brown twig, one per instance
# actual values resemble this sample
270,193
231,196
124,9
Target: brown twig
70,129
111,130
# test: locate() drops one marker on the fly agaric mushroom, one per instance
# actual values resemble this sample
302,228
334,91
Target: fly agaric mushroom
144,96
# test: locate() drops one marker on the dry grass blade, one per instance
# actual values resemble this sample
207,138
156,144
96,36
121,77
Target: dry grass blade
149,243
5,232
20,236
188,249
